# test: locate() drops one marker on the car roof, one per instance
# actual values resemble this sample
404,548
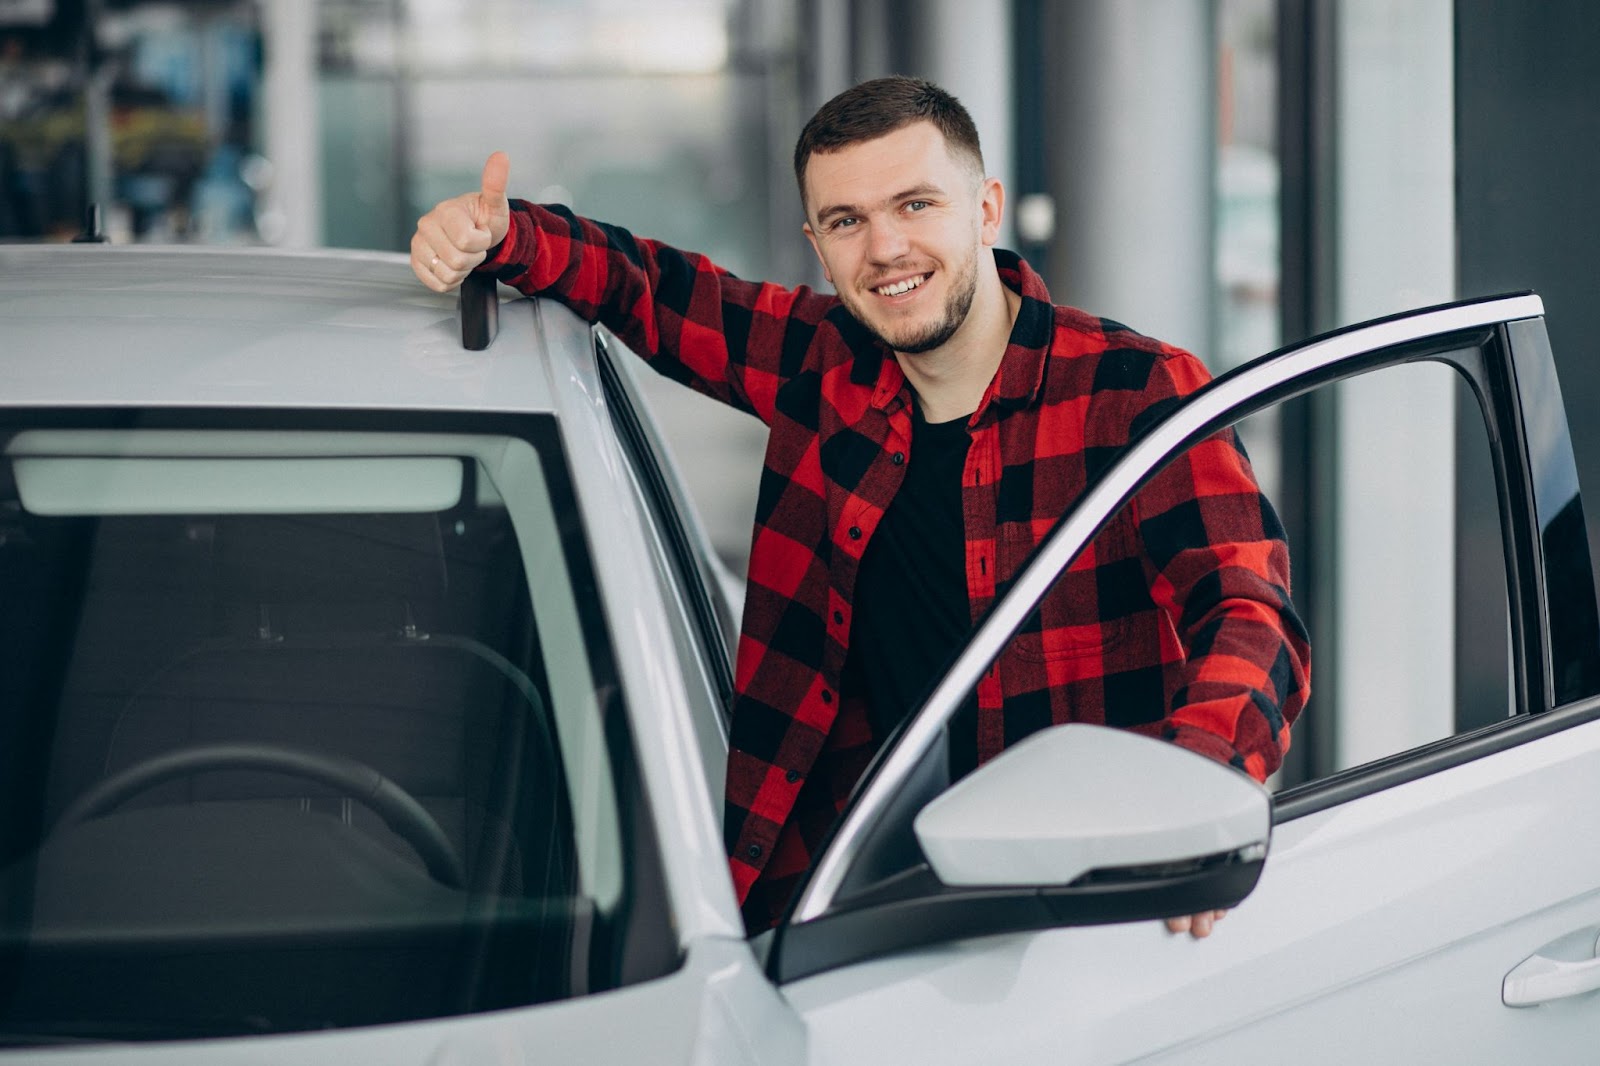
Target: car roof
104,326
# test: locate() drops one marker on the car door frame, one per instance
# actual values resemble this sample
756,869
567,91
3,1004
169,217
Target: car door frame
1500,347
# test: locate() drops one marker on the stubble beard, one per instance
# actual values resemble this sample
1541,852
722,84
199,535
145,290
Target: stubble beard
957,305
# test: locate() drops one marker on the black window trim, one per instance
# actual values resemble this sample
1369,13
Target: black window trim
666,505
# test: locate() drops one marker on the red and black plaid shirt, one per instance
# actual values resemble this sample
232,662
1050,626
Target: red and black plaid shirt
1175,622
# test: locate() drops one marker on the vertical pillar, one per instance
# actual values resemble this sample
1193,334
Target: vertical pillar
1395,531
292,213
966,48
1131,117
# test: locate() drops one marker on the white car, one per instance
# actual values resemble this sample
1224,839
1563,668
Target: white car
364,701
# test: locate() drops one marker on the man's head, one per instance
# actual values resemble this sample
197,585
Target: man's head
883,105
898,208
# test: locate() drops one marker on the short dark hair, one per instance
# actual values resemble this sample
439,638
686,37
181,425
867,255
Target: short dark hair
879,107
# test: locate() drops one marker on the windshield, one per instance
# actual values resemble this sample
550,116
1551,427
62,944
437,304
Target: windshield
305,727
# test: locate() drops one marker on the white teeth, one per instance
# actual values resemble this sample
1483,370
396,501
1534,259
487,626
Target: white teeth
902,286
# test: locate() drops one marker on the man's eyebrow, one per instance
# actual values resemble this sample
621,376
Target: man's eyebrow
835,210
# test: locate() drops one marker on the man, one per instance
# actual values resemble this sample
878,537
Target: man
927,425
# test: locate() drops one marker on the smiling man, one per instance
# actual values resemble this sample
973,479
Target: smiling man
928,423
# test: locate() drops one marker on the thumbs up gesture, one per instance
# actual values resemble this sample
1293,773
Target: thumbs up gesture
457,234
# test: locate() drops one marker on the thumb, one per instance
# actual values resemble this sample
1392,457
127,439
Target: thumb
495,173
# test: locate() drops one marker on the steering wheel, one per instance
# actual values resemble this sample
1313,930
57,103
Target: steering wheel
398,809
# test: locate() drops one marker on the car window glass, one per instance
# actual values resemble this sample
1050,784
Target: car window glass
1422,636
341,749
1407,612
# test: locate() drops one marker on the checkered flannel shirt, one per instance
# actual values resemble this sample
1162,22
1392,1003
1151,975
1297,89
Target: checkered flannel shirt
1175,622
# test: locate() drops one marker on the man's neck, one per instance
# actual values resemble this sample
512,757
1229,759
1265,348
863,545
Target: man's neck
950,380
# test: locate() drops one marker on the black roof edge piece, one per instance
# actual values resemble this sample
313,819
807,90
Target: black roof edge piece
93,231
479,309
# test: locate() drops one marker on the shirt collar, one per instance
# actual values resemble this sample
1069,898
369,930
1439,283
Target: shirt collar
1021,374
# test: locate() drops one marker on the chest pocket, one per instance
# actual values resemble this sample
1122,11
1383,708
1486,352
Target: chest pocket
1088,609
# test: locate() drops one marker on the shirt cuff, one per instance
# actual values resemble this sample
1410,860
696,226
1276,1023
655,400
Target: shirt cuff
519,245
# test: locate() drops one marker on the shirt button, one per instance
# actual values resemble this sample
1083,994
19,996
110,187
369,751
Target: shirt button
792,776
838,618
754,851
827,697
898,458
855,532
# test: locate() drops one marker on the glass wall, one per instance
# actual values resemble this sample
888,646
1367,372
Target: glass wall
1248,256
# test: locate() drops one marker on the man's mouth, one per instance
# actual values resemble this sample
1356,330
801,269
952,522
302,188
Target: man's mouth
901,287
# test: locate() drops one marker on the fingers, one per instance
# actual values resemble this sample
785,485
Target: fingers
440,268
1198,926
446,245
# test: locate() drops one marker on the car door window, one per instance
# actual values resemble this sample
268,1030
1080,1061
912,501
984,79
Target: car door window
1410,629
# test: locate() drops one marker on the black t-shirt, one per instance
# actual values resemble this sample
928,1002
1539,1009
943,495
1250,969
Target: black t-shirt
911,612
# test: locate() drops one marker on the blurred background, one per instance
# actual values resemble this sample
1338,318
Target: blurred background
1228,175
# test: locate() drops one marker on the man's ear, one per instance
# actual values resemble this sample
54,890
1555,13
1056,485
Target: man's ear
811,235
993,206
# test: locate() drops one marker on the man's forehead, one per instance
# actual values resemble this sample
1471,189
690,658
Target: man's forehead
914,155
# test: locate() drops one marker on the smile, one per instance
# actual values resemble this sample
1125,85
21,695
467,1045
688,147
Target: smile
899,288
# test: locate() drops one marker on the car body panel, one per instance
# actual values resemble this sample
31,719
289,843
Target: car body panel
716,1009
225,328
1418,898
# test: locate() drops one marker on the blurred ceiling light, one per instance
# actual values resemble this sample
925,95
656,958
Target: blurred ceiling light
670,42
625,36
33,13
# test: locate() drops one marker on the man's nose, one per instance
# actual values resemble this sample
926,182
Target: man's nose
888,240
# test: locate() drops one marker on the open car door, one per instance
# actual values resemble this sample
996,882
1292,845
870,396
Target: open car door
1439,902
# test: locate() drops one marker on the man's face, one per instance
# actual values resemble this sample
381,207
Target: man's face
898,223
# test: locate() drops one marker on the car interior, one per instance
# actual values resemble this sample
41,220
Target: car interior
274,762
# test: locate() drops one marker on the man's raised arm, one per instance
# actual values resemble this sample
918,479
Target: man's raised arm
736,341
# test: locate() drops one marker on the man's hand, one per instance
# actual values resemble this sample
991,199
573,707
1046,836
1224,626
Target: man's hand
1198,926
457,234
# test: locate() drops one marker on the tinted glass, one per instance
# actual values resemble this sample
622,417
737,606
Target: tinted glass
304,729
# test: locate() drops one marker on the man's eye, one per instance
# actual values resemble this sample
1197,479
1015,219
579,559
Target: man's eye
917,205
846,222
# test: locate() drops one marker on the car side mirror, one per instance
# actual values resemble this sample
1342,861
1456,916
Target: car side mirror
1077,825
1080,800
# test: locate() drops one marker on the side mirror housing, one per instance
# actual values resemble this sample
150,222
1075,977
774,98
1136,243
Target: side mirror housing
1077,825
1081,799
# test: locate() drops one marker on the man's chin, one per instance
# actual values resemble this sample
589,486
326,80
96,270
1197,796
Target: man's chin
925,342
916,341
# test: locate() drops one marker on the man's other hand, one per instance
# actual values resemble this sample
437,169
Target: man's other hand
457,234
1199,926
